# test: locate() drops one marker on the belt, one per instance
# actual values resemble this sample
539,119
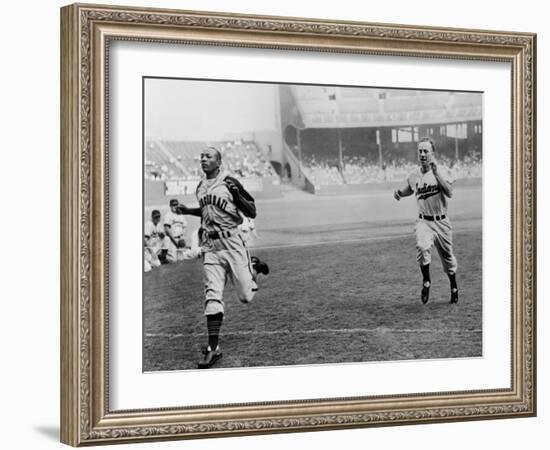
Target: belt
431,218
220,234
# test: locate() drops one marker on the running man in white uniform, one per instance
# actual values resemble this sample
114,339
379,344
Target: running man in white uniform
222,199
432,186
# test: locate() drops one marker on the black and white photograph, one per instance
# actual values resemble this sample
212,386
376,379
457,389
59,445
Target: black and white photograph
296,224
278,222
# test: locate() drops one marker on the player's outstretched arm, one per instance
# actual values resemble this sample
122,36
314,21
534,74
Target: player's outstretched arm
182,209
403,192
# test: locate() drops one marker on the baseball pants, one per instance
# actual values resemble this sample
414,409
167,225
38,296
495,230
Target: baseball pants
151,256
438,233
232,263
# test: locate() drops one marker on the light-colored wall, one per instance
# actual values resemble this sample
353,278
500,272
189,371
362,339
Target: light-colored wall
29,322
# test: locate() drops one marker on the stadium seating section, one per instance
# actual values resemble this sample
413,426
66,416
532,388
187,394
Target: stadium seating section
357,170
165,160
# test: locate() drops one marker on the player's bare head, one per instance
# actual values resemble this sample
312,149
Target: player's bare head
211,159
155,216
426,149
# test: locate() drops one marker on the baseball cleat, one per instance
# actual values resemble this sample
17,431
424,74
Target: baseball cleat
259,266
454,295
425,294
210,357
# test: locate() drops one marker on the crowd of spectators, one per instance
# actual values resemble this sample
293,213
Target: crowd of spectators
469,167
157,172
324,171
240,158
359,170
243,159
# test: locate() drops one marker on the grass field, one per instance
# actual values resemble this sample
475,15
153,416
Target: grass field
339,291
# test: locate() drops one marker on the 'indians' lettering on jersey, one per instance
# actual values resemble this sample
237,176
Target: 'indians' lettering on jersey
426,190
430,199
211,199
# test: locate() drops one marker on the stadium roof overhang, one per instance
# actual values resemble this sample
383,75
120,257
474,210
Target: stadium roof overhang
399,119
352,107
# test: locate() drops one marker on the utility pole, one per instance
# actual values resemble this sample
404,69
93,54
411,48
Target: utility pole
379,144
456,142
340,150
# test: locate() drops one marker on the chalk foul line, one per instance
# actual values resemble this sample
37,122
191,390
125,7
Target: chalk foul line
380,330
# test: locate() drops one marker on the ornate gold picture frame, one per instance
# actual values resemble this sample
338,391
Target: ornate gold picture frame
87,33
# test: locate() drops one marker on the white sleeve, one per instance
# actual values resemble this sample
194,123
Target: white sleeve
195,239
168,220
148,230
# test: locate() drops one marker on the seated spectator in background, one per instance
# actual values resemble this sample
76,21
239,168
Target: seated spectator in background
153,241
175,225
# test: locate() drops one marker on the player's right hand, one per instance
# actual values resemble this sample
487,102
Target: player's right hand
396,195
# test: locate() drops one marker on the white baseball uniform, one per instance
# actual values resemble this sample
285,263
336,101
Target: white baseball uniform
154,244
178,225
433,226
225,254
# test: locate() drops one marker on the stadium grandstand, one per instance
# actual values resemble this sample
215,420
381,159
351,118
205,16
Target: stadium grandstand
353,136
329,136
167,160
176,164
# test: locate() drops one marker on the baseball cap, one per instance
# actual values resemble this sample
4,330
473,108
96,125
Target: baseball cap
174,202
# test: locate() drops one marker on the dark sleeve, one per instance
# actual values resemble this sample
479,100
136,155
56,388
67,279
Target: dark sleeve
243,200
